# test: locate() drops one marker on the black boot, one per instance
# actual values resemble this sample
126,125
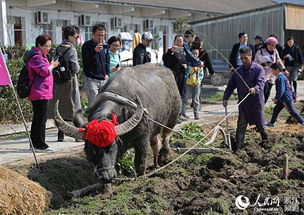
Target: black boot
264,136
60,136
239,142
263,133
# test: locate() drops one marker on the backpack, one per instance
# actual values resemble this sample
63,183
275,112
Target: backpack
195,76
23,87
62,72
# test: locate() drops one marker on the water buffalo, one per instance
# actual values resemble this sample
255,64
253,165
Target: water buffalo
136,95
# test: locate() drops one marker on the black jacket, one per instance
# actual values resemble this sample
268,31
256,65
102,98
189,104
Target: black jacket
234,54
295,53
203,56
279,48
140,55
174,61
257,47
95,64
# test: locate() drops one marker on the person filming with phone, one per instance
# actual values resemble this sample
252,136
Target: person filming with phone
175,59
96,62
40,80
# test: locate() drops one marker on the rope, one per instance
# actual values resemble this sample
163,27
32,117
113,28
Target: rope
200,141
215,49
186,152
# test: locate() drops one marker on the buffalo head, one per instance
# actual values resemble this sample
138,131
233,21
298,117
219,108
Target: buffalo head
103,158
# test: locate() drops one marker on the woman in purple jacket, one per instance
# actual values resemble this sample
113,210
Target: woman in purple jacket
41,86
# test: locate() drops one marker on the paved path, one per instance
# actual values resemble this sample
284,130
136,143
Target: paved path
17,149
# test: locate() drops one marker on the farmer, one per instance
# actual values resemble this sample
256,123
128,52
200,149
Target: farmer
283,97
251,110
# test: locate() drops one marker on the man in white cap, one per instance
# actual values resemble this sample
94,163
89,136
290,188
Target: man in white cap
140,54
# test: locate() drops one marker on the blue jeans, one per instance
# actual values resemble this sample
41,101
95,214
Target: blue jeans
280,106
195,91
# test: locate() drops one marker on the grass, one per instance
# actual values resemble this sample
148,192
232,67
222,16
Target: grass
126,164
218,97
125,201
192,131
14,136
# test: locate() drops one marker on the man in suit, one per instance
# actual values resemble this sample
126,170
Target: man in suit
96,61
234,58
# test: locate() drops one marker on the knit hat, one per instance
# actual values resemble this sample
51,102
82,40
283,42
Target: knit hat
272,41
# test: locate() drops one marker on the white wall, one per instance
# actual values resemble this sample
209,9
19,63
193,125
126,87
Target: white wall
32,30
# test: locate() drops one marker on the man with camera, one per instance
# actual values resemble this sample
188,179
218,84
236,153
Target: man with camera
96,61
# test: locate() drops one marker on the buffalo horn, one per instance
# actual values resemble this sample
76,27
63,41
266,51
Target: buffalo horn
111,96
133,121
65,127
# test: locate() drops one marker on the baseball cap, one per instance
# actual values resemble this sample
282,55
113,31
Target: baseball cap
147,36
189,32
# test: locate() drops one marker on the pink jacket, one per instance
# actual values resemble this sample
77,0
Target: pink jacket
262,56
40,77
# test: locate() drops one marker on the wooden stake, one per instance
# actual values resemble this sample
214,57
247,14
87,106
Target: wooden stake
285,167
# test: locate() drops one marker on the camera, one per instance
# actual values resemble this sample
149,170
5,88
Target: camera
105,45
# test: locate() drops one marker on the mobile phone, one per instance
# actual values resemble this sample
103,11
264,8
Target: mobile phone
180,49
117,65
56,58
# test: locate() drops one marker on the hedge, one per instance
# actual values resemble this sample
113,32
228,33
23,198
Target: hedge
9,112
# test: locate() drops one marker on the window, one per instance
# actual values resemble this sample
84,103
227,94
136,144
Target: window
131,28
88,30
16,31
88,33
48,29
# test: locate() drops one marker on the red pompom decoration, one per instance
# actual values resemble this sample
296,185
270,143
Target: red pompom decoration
100,134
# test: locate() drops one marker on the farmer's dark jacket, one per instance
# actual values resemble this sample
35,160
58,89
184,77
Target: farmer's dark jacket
253,106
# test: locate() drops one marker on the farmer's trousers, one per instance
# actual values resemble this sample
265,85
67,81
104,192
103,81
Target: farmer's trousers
280,106
40,108
241,130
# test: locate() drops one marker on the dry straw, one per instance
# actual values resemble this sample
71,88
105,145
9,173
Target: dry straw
19,195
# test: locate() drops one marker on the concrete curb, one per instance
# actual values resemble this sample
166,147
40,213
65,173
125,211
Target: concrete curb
7,129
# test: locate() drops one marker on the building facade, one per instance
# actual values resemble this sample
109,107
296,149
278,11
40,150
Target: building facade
284,20
23,20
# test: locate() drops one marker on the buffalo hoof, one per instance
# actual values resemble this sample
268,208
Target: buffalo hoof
164,157
141,170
